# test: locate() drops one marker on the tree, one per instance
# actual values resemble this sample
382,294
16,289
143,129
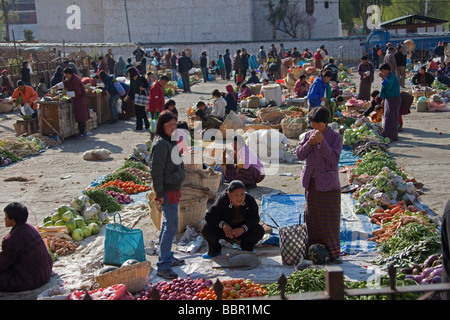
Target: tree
5,8
288,18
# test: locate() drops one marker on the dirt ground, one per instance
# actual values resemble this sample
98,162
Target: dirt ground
60,173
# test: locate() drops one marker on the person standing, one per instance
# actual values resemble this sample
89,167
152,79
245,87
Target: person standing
167,57
138,54
156,97
228,63
446,52
262,57
184,65
282,51
445,244
321,147
245,56
108,81
221,66
389,58
376,56
110,62
439,51
26,75
366,77
237,65
204,65
167,176
80,107
173,66
25,263
138,85
318,92
400,61
318,58
390,92
119,67
102,65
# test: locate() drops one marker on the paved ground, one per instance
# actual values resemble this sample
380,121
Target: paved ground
60,173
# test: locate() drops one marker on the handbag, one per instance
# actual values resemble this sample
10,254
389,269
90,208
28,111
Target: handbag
293,242
141,99
122,243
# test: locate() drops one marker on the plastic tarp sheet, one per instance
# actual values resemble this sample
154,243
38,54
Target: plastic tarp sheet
347,158
354,230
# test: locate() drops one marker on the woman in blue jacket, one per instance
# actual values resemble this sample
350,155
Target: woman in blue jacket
320,90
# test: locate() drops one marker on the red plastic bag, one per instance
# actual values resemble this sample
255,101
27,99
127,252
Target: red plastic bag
115,292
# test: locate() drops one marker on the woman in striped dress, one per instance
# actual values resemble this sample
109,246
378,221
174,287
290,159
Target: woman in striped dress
321,147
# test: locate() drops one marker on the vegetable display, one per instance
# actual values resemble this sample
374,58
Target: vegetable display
107,202
128,187
177,289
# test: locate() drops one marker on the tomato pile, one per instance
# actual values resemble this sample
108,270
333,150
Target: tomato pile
128,187
234,289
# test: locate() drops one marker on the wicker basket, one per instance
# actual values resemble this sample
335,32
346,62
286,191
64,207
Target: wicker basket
293,129
257,127
212,181
253,102
192,161
357,108
6,108
271,115
134,277
192,211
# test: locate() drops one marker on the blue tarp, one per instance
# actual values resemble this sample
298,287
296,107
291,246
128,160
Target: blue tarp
347,158
286,210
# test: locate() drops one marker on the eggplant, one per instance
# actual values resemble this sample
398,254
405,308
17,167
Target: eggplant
437,263
426,273
406,271
430,260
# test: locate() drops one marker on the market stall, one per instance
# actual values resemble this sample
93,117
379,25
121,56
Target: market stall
99,102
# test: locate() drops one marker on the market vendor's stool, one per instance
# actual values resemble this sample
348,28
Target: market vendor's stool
26,127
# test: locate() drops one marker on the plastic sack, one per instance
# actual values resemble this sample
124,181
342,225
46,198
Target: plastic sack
180,84
26,110
122,243
120,90
155,62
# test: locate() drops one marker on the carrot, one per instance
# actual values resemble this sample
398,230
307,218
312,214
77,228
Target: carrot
396,209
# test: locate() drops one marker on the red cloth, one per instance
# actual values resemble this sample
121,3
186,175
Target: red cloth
156,98
173,197
80,107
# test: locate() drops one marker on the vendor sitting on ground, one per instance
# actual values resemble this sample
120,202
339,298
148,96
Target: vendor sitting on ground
234,216
253,78
25,263
206,109
208,121
246,92
242,164
423,77
301,87
24,94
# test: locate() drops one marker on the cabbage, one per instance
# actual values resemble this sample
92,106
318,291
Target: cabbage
80,222
71,225
77,204
95,227
49,224
62,209
56,217
87,231
60,223
77,234
66,216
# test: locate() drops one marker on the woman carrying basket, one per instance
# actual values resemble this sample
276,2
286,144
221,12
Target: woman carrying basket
321,147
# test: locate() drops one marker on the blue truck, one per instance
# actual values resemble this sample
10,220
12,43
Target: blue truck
425,42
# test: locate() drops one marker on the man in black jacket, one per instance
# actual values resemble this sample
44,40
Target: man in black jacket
400,60
228,63
184,65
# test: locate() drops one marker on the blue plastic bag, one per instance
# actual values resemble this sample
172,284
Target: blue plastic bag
122,244
180,83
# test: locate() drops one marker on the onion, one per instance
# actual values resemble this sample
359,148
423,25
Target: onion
418,278
436,272
425,281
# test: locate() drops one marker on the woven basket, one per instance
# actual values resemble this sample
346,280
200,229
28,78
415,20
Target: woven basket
212,181
293,130
191,163
272,117
257,127
191,208
134,277
253,102
6,108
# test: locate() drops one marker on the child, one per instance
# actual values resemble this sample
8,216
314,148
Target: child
335,106
375,101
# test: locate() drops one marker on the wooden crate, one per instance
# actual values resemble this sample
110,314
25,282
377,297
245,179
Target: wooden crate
26,127
57,118
100,104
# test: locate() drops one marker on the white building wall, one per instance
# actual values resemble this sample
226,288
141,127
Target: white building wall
52,19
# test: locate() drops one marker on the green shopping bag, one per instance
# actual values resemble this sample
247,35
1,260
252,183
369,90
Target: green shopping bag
122,243
153,123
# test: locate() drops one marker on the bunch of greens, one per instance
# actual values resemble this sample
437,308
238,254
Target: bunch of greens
134,164
374,161
104,200
123,176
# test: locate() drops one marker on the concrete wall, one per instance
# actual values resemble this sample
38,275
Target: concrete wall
52,21
170,20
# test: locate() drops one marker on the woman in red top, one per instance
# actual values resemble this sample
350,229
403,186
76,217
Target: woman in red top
156,97
318,59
